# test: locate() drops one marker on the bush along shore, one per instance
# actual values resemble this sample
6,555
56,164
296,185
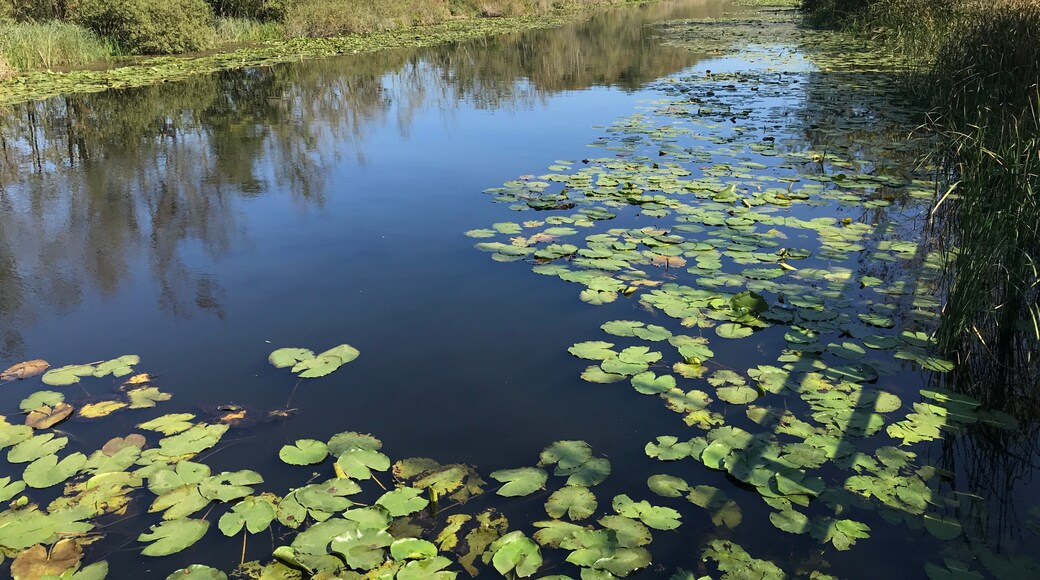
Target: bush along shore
978,65
53,47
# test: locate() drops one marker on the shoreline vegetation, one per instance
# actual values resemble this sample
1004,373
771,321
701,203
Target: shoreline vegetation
978,65
61,47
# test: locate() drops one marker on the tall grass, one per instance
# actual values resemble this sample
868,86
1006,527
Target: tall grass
231,30
978,62
52,44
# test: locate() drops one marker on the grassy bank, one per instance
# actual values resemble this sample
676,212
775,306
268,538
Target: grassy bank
978,63
45,34
242,42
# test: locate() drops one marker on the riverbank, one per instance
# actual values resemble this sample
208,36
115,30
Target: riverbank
978,65
139,71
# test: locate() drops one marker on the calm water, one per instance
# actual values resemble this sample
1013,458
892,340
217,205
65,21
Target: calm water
204,223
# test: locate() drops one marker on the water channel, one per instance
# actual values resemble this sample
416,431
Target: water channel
202,224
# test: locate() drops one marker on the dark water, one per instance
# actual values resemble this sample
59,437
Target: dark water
202,224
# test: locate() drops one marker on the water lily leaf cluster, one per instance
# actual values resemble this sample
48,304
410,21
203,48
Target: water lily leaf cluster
307,365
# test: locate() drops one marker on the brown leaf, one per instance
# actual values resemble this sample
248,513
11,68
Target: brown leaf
234,417
35,563
116,443
139,379
668,261
24,370
45,416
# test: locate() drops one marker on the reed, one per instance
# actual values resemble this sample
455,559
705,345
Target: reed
46,45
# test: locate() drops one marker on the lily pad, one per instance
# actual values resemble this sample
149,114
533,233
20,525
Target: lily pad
304,452
520,481
172,536
576,502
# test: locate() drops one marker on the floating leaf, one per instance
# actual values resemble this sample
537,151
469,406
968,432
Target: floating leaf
146,397
520,481
36,447
25,370
172,536
359,463
362,549
593,350
118,367
288,357
102,409
650,384
403,501
576,502
656,517
47,471
327,362
41,399
790,521
255,513
566,454
667,485
515,551
169,424
304,452
593,472
67,375
943,528
45,417
730,330
36,563
197,572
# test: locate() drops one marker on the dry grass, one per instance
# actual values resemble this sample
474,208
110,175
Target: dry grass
6,71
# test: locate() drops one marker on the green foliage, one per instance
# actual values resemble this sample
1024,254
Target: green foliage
263,10
150,26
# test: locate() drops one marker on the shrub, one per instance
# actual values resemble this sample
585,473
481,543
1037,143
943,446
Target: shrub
35,10
150,26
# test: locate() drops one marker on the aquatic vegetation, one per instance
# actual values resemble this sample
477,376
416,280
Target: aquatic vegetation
724,204
307,365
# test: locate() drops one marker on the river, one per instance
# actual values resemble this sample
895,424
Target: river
204,223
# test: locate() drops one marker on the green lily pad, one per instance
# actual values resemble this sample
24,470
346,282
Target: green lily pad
47,471
359,463
730,330
593,472
576,502
289,357
36,447
520,481
412,549
41,399
650,384
667,485
362,549
593,350
197,572
656,517
172,536
253,513
566,454
426,569
403,501
517,553
304,452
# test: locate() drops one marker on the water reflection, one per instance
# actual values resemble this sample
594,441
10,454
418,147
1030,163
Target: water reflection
99,190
